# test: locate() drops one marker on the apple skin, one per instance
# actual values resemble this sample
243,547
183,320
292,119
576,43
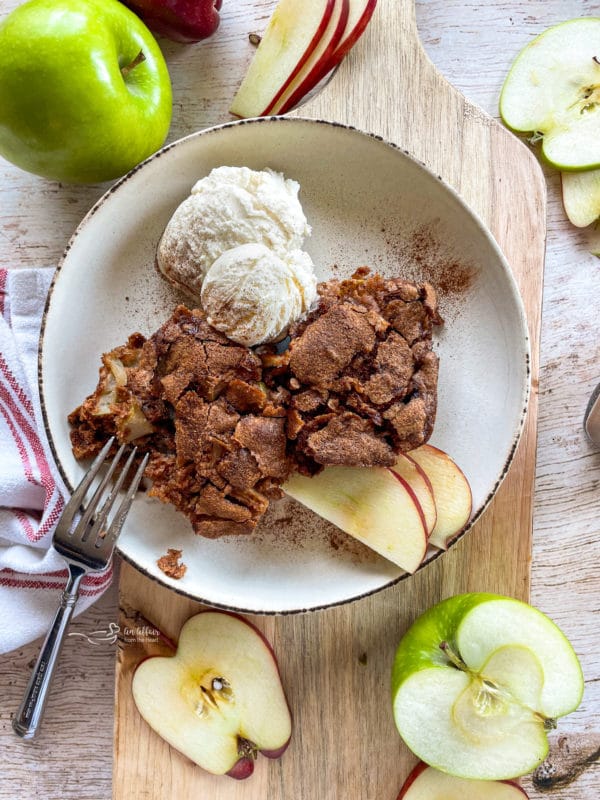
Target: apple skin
308,76
293,32
360,15
373,504
483,789
67,112
185,21
166,692
451,492
460,712
420,485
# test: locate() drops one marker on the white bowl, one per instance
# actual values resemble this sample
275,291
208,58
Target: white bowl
368,203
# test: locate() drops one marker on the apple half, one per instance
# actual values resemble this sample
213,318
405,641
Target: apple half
581,196
372,504
478,680
553,90
292,33
451,492
219,698
427,783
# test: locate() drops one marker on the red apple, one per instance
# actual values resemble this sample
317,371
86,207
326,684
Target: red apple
451,492
296,27
427,783
308,76
179,20
219,699
420,484
359,16
373,504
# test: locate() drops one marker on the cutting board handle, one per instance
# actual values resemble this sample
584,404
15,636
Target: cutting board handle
387,68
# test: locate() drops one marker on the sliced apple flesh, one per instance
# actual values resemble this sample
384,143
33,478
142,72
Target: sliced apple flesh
451,492
373,504
359,16
292,33
581,196
427,783
553,89
477,682
219,699
308,75
416,478
304,40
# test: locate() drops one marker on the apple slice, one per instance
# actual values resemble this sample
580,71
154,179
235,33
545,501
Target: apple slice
373,504
418,481
581,196
427,783
307,77
360,13
478,680
294,30
553,89
219,699
451,492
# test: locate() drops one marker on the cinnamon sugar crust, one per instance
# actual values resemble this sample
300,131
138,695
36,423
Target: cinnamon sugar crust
361,373
225,425
216,437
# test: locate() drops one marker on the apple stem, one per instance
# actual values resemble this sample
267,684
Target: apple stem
454,659
136,62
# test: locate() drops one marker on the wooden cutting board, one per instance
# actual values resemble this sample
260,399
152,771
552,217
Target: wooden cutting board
336,664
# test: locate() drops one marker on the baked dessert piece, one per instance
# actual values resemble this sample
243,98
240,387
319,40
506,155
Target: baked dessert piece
225,425
194,400
361,373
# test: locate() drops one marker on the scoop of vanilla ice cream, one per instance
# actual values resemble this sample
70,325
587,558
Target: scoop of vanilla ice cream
229,207
252,294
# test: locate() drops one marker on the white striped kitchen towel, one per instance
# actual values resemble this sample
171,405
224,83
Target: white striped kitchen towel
32,493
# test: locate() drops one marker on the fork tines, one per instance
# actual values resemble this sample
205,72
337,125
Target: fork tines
91,527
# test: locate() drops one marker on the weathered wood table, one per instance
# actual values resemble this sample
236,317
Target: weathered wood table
472,44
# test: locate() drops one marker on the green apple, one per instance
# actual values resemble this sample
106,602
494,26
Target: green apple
581,196
85,93
553,90
477,682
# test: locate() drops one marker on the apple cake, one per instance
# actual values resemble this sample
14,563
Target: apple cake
226,425
361,373
193,400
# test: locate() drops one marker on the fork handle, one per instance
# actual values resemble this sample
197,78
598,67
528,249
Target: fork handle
29,714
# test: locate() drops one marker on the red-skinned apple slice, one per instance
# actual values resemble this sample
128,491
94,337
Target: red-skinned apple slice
219,699
451,492
374,505
359,16
418,481
294,30
315,65
427,783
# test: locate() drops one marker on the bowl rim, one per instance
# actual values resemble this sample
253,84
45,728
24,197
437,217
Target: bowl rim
298,120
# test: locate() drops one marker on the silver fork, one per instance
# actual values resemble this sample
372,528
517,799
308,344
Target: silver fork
88,547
